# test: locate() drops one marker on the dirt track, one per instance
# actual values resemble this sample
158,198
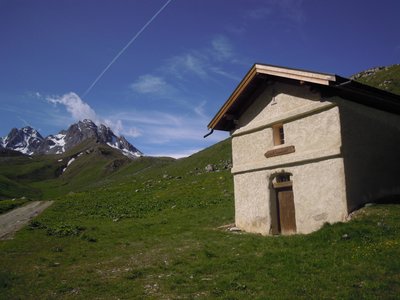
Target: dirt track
14,220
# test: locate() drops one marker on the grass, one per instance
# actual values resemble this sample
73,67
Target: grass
48,176
182,253
152,231
387,79
6,205
18,173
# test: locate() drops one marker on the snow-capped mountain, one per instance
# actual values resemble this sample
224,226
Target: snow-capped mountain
29,141
25,140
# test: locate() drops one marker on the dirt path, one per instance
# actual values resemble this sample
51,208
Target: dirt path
14,220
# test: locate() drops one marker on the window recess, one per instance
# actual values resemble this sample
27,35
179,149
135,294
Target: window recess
278,134
279,140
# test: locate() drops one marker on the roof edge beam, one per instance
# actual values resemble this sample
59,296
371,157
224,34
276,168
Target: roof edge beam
319,78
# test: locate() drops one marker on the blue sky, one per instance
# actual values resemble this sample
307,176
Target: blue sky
166,86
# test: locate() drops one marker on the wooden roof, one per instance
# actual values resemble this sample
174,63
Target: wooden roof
260,75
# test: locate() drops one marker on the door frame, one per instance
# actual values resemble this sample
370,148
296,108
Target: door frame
281,182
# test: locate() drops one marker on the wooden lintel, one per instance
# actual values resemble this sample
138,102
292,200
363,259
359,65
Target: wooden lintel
284,184
280,151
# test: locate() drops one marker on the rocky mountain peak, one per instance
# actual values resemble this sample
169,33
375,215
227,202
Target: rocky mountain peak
24,140
29,141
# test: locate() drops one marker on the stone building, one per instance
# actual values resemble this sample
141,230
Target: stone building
308,148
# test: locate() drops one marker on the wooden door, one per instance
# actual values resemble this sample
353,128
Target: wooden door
287,216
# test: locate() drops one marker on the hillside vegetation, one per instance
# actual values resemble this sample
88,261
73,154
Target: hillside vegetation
385,78
158,228
48,176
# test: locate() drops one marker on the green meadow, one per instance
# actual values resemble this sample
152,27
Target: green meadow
154,228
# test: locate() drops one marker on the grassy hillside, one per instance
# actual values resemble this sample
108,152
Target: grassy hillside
155,230
386,78
150,185
17,172
49,176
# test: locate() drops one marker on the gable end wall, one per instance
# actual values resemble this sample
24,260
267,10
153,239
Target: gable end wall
310,125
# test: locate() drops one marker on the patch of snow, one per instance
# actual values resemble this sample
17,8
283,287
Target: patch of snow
32,133
60,160
71,161
26,139
130,153
125,151
23,149
59,141
113,146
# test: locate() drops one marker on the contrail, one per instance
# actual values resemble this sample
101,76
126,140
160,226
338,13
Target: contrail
126,47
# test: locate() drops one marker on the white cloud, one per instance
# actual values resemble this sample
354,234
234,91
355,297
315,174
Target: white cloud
222,48
212,60
148,118
116,125
208,64
191,131
185,127
192,63
78,109
199,109
226,74
149,84
160,128
175,154
132,132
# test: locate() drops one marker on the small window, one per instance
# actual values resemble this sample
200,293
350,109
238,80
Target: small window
283,178
279,134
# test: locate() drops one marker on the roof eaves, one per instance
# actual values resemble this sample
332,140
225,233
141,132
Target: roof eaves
241,86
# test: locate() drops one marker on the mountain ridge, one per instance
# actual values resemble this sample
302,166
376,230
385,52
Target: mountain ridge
29,141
